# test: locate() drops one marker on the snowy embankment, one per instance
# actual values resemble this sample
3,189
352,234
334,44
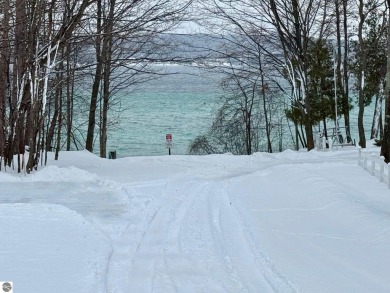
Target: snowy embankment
288,222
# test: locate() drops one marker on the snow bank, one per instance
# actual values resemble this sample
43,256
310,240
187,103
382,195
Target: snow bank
66,174
48,248
5,177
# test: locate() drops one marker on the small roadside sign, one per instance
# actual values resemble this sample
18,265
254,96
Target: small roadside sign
169,144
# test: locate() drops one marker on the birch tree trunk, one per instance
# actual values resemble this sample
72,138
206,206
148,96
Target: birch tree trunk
375,128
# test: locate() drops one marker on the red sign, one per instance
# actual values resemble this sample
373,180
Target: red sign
169,141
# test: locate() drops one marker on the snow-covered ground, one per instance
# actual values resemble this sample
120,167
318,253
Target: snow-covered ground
288,222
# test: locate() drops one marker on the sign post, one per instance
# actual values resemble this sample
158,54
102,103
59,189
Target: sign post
168,138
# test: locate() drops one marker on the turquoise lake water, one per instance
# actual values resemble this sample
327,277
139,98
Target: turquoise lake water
180,104
183,105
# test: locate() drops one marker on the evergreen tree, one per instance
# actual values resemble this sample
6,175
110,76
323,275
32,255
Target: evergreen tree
319,85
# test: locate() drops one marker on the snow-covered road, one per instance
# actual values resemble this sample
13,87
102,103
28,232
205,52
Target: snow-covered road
289,222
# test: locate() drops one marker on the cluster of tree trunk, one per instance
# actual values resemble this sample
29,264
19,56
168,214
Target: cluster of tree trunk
312,53
46,65
33,39
58,58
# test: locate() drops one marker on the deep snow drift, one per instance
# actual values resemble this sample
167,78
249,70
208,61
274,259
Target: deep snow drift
288,222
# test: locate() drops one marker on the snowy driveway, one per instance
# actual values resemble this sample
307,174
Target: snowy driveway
290,222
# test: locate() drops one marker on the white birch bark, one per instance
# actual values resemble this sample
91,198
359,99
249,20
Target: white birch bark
20,91
377,113
49,66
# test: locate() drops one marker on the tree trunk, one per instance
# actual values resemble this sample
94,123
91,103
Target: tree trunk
361,75
302,56
385,148
375,128
362,136
309,143
340,78
345,83
267,124
103,130
248,134
4,73
263,94
20,50
107,55
96,82
32,143
294,40
59,127
20,140
301,139
69,97
51,131
325,128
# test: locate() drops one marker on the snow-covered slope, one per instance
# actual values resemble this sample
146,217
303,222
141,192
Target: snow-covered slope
288,222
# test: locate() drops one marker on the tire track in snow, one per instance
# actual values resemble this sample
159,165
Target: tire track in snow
144,198
204,250
173,264
244,250
171,256
274,278
157,264
218,243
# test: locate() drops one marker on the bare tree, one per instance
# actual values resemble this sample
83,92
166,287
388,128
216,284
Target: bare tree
124,37
295,23
35,32
252,55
